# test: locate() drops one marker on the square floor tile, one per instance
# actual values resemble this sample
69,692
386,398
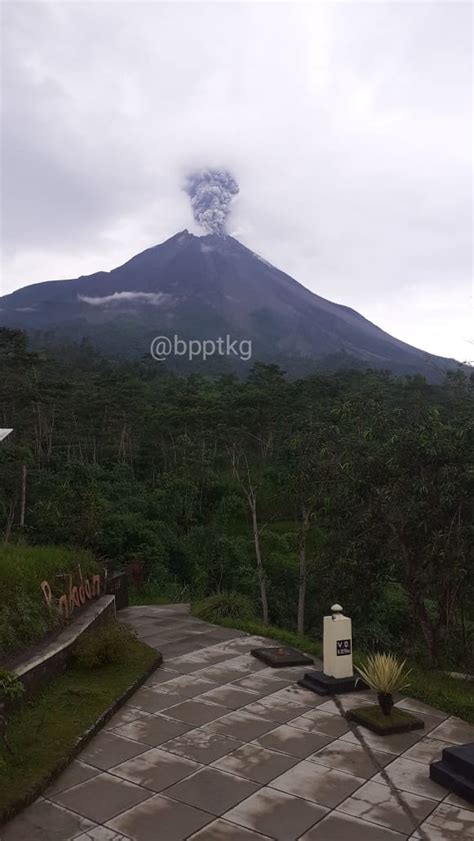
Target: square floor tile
125,715
76,772
102,798
161,676
337,827
187,664
160,819
347,702
107,749
156,769
317,721
407,775
154,699
320,784
396,744
101,833
196,711
230,696
189,686
300,695
220,830
153,729
455,731
459,802
426,751
255,763
419,707
276,814
261,682
377,803
44,821
221,673
202,745
353,759
276,709
447,823
241,725
293,741
212,790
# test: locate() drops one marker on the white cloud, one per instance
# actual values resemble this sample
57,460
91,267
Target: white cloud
347,125
153,298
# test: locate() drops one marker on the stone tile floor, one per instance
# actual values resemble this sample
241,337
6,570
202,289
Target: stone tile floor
218,747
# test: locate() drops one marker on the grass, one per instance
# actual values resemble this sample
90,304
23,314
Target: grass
453,696
43,732
24,615
230,606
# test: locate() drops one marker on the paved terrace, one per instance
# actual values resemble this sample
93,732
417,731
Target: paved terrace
217,747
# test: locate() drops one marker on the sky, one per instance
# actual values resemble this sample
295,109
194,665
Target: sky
348,126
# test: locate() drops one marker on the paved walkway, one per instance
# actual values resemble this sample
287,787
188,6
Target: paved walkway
217,747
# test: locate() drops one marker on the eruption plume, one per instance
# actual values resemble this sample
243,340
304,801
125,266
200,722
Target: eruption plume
211,192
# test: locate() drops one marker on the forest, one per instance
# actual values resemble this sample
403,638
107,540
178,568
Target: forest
352,486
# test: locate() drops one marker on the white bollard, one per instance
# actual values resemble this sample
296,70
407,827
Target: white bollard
337,676
337,644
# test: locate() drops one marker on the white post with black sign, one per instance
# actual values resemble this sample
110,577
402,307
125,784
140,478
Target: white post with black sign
337,675
337,644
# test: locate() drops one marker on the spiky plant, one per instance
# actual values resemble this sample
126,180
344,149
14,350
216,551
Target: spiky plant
385,674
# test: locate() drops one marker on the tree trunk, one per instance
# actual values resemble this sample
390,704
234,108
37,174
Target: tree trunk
23,496
428,631
302,574
10,521
258,556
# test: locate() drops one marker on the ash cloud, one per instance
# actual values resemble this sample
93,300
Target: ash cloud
211,192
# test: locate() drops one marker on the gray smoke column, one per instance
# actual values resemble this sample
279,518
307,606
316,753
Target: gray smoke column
211,192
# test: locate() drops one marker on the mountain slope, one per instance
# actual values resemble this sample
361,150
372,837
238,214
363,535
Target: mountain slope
206,287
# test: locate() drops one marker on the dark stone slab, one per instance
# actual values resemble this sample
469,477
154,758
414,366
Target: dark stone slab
461,759
445,775
278,657
324,685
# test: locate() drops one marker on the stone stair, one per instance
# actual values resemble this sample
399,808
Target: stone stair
456,770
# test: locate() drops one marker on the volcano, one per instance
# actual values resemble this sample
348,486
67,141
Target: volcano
205,287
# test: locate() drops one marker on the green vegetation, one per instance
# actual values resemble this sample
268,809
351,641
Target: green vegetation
11,688
102,646
24,614
224,606
354,487
43,732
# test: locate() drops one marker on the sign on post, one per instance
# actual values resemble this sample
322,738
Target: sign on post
337,644
337,675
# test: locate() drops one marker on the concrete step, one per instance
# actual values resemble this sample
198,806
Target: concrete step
445,775
461,759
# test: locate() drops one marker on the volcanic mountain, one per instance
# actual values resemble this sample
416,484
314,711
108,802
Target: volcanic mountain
208,287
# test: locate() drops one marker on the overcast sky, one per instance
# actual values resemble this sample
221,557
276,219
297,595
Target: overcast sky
346,124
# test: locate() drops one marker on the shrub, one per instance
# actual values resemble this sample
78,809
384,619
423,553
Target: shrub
109,644
10,685
11,688
224,606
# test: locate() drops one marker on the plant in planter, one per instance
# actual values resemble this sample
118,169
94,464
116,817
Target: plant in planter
11,688
386,675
